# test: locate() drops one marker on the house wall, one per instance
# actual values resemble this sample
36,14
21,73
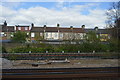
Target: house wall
51,35
57,35
37,35
71,36
22,29
6,35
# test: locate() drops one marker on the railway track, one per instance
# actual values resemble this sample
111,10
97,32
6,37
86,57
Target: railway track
43,73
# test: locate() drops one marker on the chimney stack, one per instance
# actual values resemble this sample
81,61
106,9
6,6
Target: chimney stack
71,27
44,26
5,23
58,25
32,25
96,28
83,26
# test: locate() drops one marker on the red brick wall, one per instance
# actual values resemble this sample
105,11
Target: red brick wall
22,29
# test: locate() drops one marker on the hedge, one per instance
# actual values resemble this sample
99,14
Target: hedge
73,48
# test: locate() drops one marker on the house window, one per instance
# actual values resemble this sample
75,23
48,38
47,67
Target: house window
1,34
46,34
41,34
19,28
55,34
61,35
32,34
26,28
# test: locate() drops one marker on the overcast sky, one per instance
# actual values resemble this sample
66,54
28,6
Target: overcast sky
66,14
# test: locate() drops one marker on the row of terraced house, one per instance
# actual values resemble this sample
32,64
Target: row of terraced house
50,34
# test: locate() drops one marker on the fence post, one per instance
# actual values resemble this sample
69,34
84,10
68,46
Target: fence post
29,51
94,51
46,51
78,51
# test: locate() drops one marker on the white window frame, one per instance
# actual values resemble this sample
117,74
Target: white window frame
61,35
26,28
41,34
56,35
19,28
46,35
32,34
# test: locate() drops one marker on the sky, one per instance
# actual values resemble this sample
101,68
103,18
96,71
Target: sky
76,14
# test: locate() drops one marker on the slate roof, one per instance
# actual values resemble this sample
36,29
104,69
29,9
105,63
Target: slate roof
78,30
88,30
51,29
55,29
21,26
99,31
65,30
37,29
102,31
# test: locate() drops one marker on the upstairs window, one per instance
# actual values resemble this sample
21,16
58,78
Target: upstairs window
46,34
26,28
56,35
19,28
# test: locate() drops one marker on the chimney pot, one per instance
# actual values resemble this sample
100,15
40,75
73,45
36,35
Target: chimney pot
58,25
5,23
32,25
96,28
83,26
44,26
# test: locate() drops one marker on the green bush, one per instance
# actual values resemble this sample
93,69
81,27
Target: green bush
84,47
2,50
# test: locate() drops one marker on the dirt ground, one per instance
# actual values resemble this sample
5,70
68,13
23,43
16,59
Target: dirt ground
73,63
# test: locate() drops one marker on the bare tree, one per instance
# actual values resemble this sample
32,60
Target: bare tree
114,19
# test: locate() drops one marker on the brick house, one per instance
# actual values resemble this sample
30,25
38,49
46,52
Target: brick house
22,28
36,33
6,32
56,33
46,33
103,33
71,33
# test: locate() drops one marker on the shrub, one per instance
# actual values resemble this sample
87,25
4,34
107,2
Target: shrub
84,47
3,50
